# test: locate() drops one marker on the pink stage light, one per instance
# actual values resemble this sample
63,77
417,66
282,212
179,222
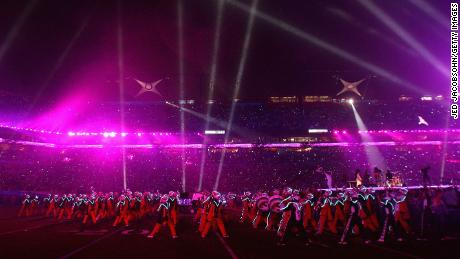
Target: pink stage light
123,134
83,146
238,145
136,146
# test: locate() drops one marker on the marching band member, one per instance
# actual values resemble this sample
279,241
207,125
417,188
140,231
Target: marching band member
47,202
173,206
325,215
135,206
371,222
246,200
163,217
52,206
34,205
204,208
110,204
214,217
274,215
354,219
388,209
90,211
308,215
60,205
293,217
402,214
262,210
339,205
286,214
66,207
78,207
25,206
101,212
121,211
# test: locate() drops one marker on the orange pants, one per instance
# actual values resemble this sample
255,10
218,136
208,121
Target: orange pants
252,213
339,217
244,214
51,209
202,221
25,210
67,211
259,218
371,223
173,214
118,219
404,224
309,221
273,218
199,211
91,214
157,227
323,220
214,222
283,223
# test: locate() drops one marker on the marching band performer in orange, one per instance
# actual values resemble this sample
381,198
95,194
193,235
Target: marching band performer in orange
246,199
215,215
308,217
173,206
163,218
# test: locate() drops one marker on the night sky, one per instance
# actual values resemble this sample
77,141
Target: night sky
50,49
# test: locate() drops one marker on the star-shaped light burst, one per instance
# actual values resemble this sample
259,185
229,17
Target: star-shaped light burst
148,87
422,121
351,86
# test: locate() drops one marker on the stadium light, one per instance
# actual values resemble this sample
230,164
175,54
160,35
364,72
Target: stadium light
214,132
426,98
318,130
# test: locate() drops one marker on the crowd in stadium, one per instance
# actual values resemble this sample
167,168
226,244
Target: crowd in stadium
26,168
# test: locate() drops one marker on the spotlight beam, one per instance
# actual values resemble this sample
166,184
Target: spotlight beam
432,12
404,35
212,80
328,47
372,152
444,149
236,91
344,16
121,77
181,85
16,28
